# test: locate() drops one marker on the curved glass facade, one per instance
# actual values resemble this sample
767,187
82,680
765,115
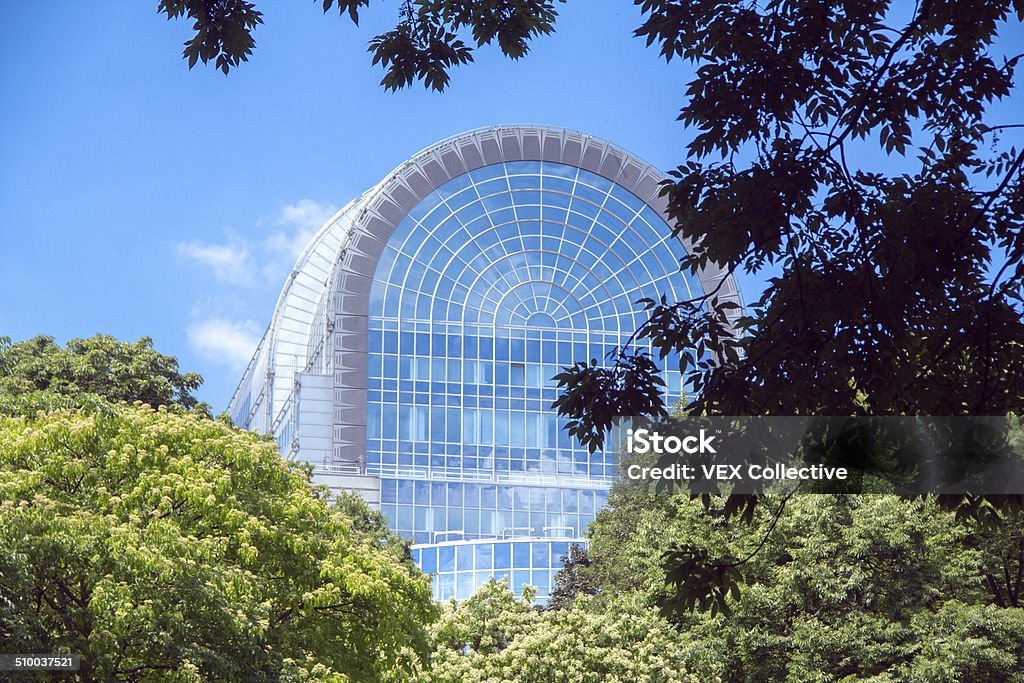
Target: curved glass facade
459,287
487,287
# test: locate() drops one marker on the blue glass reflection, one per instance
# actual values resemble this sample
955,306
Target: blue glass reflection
488,287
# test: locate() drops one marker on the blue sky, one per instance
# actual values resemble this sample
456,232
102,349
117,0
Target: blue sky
141,198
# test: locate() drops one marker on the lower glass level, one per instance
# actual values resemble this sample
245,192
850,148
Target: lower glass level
460,567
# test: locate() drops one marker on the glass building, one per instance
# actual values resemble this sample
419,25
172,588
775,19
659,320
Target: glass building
411,354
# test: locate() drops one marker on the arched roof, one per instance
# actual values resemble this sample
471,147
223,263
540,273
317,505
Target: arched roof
320,321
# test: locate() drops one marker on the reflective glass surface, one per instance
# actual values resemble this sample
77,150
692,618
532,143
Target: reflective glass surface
459,568
488,287
436,511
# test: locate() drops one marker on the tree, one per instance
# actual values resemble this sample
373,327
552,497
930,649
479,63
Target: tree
573,579
887,301
868,587
493,636
160,544
901,278
100,366
850,146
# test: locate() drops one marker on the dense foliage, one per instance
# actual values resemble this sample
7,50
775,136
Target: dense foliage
155,543
160,544
573,580
850,147
849,588
494,636
38,371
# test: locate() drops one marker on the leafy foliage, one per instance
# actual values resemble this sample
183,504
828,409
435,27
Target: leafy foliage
223,30
573,580
494,636
632,386
1001,544
424,45
869,587
161,544
100,367
886,302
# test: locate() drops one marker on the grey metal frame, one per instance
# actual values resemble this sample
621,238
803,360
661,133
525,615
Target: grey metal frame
320,323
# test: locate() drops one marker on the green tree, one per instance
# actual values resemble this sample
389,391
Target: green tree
494,636
574,579
848,145
100,366
165,545
869,587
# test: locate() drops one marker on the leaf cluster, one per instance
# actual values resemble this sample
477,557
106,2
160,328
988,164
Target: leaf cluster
494,636
161,544
574,579
425,44
98,368
223,30
870,587
632,386
429,39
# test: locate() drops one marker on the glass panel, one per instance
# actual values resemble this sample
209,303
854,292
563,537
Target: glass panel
484,553
445,586
464,585
463,557
464,391
502,556
521,555
446,558
428,560
520,578
541,554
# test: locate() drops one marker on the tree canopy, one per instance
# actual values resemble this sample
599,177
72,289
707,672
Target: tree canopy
495,636
851,587
100,366
159,545
850,147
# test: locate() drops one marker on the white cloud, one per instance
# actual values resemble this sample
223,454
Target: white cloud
220,331
299,221
271,256
306,213
230,263
225,341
